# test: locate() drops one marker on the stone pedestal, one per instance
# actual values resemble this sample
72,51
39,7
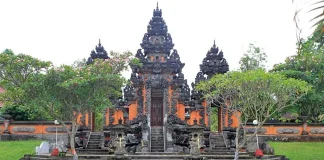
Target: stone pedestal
169,146
145,146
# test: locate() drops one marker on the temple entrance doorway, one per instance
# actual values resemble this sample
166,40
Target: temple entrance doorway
157,111
157,138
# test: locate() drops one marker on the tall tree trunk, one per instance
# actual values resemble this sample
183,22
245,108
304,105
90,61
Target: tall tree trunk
72,141
237,147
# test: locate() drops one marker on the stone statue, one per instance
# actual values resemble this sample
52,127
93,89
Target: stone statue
195,145
120,143
131,143
6,125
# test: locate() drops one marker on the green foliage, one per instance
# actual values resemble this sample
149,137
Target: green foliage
16,73
17,149
318,33
99,121
253,94
22,113
214,119
307,65
65,92
299,150
254,58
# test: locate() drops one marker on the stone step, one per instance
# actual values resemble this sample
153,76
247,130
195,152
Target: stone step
90,146
94,142
156,156
156,135
157,139
95,137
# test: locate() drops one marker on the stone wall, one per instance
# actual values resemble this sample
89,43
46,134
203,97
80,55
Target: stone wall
24,130
287,129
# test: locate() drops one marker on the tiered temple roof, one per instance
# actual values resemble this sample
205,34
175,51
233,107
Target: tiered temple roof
214,62
99,53
159,55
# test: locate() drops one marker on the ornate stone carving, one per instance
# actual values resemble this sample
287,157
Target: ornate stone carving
184,94
24,129
252,130
157,81
140,118
53,129
317,131
175,63
202,117
288,131
140,101
181,137
173,119
129,93
100,53
166,100
148,101
214,63
174,101
111,116
157,39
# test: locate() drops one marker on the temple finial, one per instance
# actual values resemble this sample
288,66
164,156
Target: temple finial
99,42
214,43
157,5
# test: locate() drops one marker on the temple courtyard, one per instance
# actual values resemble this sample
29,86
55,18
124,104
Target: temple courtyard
107,80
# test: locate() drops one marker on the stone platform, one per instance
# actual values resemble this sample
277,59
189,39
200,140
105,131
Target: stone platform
221,155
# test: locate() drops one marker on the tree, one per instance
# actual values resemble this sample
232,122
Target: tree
16,71
254,58
318,33
306,65
66,92
252,94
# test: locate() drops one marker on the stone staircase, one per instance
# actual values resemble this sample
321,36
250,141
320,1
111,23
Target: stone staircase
156,156
217,151
216,142
95,139
157,139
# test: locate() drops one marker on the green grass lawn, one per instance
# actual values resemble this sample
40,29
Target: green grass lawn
14,150
300,150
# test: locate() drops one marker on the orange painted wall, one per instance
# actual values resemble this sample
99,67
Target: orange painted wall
204,104
235,117
39,128
132,110
181,111
194,115
144,100
170,97
107,117
118,115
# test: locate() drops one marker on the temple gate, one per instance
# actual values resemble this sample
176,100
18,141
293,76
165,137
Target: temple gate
158,106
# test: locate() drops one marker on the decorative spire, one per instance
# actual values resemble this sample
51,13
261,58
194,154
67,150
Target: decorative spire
157,39
157,11
214,62
98,53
